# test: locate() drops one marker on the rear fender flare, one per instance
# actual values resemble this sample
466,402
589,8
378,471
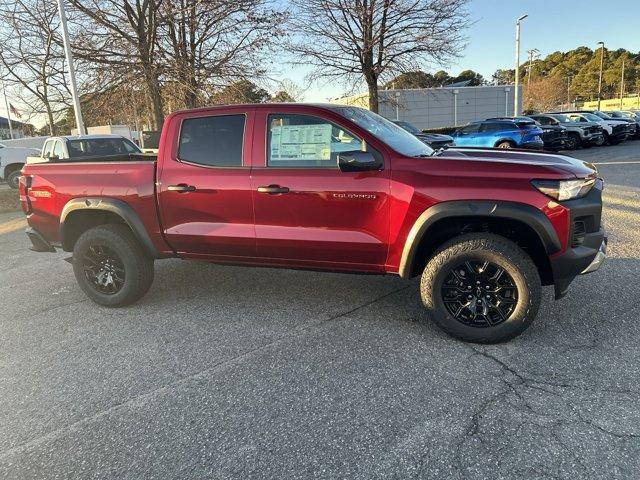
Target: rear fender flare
112,205
521,212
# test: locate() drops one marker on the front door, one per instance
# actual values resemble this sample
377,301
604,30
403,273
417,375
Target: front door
308,212
205,187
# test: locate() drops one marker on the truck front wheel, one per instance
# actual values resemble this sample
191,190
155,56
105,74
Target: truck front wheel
110,266
481,288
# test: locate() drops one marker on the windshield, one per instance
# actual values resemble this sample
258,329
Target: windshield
592,118
98,147
388,132
562,118
601,115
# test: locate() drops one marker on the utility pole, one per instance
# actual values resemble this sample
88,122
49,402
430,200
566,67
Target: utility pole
600,80
568,91
72,72
622,85
533,52
516,100
6,104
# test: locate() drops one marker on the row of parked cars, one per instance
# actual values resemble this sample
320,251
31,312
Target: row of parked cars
566,130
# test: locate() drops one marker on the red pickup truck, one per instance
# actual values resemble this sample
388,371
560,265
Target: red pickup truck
326,187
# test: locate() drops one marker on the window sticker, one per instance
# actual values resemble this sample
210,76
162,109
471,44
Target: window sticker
301,142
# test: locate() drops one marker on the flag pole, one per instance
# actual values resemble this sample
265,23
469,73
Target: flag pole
6,104
72,73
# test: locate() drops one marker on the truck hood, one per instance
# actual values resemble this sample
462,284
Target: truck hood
571,165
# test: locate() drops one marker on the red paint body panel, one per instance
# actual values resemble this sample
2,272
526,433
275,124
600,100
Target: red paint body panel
329,219
54,184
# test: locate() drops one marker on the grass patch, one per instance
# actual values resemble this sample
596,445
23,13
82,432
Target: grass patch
9,201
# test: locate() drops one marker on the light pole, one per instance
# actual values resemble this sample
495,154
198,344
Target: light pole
600,80
6,104
516,100
622,85
506,102
72,73
455,107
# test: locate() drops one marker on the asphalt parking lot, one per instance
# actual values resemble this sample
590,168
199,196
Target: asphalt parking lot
233,373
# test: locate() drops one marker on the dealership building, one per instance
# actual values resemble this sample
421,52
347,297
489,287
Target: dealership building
441,107
5,133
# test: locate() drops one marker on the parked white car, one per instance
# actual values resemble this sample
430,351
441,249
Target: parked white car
12,160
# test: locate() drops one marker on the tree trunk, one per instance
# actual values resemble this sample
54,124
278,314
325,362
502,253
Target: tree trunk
52,129
372,85
153,87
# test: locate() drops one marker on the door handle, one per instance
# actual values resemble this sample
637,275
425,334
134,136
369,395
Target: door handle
273,189
181,188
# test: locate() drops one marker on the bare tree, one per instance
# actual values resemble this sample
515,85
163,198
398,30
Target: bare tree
122,36
32,57
209,43
372,40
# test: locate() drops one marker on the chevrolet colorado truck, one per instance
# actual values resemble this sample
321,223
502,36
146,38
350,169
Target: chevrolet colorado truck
326,187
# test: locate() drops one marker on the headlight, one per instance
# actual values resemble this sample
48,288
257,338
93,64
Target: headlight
565,189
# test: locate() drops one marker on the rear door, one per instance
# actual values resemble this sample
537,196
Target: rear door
309,212
204,185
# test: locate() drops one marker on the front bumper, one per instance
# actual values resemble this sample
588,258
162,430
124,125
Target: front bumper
599,258
594,139
533,145
586,249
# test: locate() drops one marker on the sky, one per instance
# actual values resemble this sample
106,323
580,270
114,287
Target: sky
552,25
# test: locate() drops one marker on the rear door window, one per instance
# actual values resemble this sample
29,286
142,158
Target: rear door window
214,141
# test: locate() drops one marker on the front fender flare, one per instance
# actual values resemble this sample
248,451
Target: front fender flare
112,205
521,212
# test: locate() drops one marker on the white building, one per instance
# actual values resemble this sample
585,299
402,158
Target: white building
441,107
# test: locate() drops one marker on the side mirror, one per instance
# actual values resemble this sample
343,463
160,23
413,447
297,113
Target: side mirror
358,162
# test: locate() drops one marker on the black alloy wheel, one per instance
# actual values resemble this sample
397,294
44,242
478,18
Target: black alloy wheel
104,269
479,294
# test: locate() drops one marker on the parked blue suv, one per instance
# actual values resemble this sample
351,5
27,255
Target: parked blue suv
500,134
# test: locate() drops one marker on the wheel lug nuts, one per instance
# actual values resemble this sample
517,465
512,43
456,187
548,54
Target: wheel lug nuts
488,296
468,287
478,282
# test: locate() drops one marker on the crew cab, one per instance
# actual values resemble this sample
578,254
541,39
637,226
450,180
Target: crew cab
273,185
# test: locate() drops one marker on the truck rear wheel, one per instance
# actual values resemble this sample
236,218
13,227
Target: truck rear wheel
481,288
111,267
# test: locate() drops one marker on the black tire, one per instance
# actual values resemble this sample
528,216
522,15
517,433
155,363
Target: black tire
500,253
127,259
504,144
13,179
574,142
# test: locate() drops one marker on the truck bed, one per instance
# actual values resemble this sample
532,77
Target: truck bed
49,186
